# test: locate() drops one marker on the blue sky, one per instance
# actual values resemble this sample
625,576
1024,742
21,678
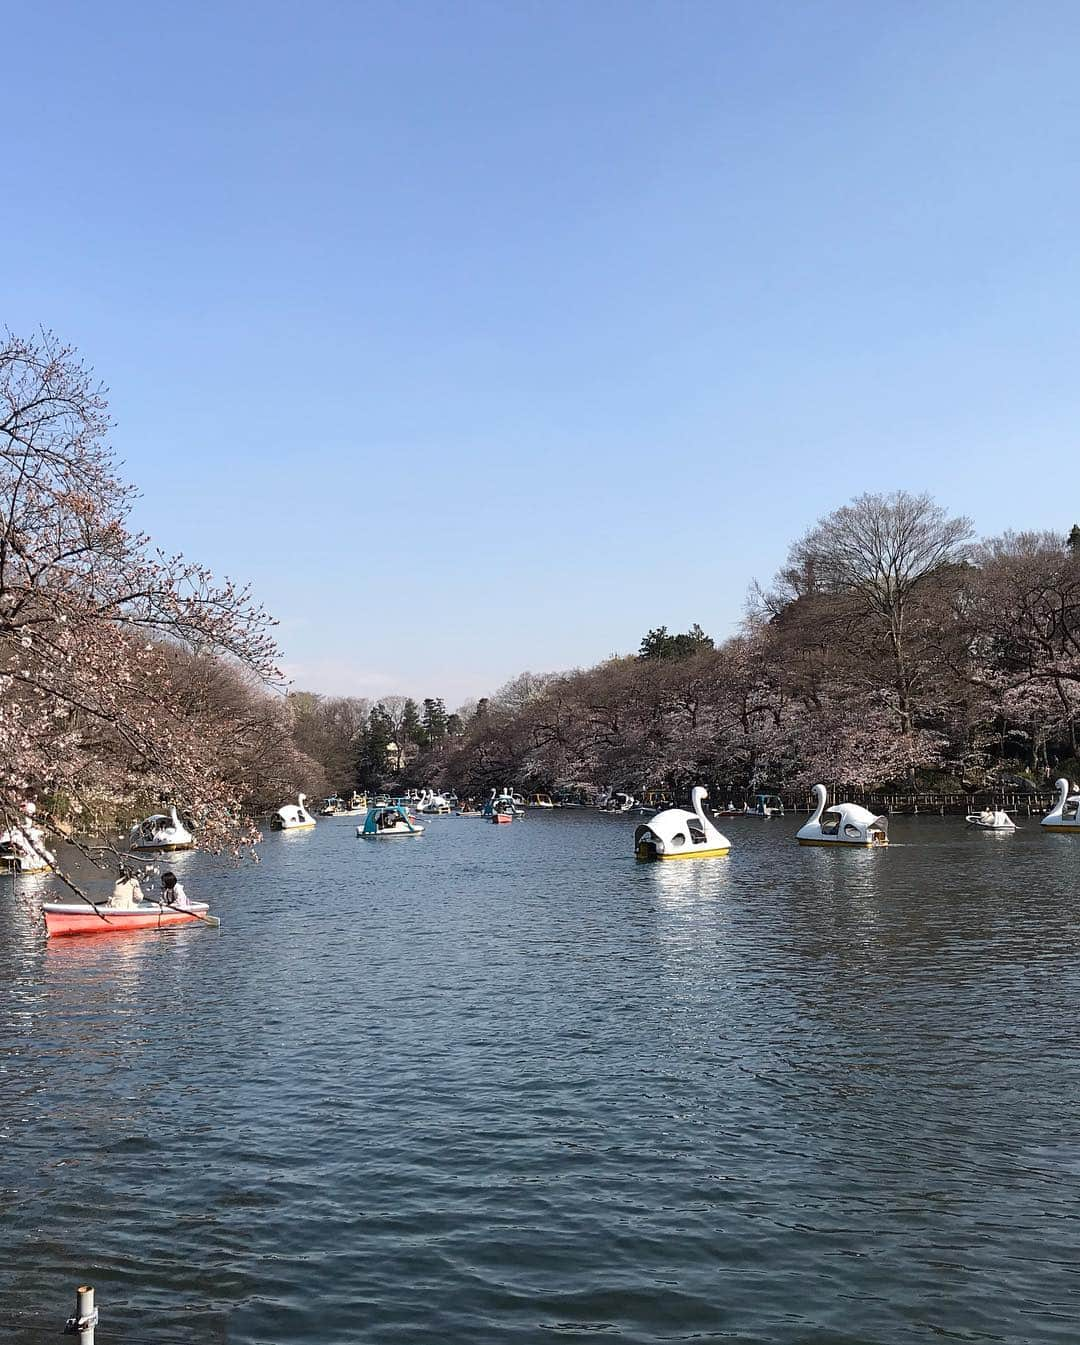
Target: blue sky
564,317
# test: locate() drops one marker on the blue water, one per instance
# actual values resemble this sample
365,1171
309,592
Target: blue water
504,1084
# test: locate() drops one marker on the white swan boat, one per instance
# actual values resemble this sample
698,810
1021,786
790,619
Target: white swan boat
293,816
991,819
1065,814
22,847
435,804
615,801
681,833
162,831
842,824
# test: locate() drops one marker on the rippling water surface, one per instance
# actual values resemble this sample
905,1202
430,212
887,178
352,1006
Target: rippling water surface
504,1084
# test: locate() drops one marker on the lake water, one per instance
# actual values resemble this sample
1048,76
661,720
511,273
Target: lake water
502,1084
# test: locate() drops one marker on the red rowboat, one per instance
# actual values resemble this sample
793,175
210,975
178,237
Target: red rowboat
65,919
502,817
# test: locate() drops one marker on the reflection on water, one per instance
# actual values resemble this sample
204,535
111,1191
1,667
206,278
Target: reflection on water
506,1083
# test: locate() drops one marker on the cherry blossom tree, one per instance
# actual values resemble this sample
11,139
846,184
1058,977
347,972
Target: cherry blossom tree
1024,615
97,625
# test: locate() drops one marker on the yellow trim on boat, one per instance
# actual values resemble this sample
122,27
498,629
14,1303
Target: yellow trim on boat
698,854
859,845
1061,826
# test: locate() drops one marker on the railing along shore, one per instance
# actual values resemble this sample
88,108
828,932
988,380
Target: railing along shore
942,805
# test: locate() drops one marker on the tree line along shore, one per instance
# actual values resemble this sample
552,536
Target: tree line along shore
894,654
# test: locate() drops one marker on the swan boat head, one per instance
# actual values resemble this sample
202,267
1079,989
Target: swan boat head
681,833
1065,814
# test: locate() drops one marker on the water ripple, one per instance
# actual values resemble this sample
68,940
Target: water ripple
504,1084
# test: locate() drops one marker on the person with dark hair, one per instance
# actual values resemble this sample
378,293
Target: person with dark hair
173,894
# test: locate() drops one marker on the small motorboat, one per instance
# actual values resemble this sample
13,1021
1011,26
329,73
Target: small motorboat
1065,814
541,801
679,833
843,824
293,816
991,819
502,817
161,832
390,819
66,919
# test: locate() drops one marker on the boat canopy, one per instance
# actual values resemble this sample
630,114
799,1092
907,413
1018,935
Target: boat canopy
388,817
851,821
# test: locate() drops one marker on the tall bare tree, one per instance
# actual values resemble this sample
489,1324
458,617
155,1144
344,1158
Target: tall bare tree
877,554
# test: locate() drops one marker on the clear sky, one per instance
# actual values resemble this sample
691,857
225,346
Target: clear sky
483,336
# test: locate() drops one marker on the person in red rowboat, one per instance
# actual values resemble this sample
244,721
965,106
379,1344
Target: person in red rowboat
173,894
126,893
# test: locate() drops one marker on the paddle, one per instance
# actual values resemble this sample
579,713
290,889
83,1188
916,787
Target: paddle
211,920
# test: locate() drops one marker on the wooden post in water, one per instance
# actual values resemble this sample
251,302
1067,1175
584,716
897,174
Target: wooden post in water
86,1316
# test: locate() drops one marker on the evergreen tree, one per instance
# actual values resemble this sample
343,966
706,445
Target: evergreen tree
1074,539
374,743
412,728
658,644
435,719
655,644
